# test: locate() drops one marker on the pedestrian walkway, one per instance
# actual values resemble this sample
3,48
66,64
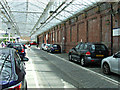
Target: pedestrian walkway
39,75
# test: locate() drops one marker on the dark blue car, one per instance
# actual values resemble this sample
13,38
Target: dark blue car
55,48
12,71
20,49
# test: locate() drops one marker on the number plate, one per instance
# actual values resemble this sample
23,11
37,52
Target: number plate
99,55
56,50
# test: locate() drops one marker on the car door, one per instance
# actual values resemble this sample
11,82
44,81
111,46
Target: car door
78,51
115,63
75,52
20,64
77,48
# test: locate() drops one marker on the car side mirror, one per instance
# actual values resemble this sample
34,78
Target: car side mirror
25,59
73,48
115,56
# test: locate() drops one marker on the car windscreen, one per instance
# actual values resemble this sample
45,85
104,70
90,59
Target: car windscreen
48,45
98,47
17,45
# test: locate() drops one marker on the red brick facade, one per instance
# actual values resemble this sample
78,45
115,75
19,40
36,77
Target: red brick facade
94,25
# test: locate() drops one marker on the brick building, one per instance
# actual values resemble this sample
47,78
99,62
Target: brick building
91,25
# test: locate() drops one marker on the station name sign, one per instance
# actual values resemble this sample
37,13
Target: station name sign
116,32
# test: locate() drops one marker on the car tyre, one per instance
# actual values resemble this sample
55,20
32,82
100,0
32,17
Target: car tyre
70,57
26,86
106,69
82,61
50,51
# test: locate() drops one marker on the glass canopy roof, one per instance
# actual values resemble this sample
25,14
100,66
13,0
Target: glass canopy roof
32,17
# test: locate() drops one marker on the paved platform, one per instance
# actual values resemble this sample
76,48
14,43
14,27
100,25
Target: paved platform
40,75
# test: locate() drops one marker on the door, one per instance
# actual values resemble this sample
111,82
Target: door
79,52
115,63
75,52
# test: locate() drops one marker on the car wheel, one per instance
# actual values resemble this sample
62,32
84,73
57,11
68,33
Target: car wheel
50,51
70,57
82,61
106,68
26,86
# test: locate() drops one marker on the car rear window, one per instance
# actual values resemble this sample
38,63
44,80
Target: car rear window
98,47
48,44
17,45
5,68
56,46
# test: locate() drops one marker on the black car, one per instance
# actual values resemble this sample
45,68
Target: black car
20,48
55,48
12,70
86,53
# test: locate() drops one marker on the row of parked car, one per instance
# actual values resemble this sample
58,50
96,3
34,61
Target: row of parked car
88,53
12,67
52,48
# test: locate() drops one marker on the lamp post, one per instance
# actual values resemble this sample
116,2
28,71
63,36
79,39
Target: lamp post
9,27
111,28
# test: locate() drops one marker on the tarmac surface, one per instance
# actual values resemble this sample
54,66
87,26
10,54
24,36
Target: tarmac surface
46,70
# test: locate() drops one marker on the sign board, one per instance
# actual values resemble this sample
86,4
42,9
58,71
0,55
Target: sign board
116,32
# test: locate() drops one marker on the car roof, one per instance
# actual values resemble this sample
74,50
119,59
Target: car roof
16,43
7,65
91,43
7,51
56,44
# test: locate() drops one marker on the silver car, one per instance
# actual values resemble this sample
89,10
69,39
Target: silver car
111,64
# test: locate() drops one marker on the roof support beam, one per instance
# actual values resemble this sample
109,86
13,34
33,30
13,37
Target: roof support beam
26,12
6,13
46,21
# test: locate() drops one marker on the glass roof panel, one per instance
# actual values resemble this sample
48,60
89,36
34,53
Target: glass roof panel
73,7
32,14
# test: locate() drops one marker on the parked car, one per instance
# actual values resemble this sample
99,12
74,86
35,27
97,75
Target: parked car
87,53
33,43
111,64
46,46
24,46
55,48
12,70
42,46
19,48
49,47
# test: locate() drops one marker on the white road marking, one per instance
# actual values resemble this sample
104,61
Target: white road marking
104,77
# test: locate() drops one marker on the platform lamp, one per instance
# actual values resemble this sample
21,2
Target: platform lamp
9,27
111,14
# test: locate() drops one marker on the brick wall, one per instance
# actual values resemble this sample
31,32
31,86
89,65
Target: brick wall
92,25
